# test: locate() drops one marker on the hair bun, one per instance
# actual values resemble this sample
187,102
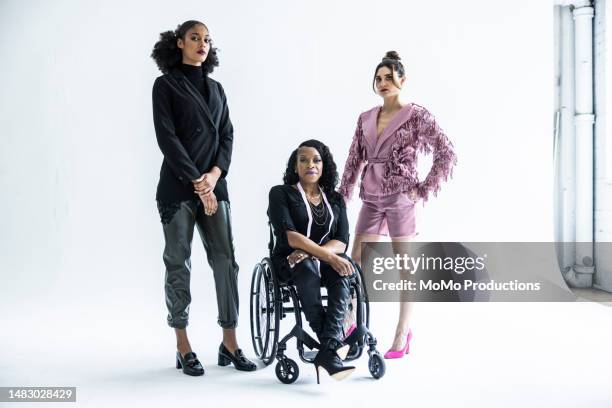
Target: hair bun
392,55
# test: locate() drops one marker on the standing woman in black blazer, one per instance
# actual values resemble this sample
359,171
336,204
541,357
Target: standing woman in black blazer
195,135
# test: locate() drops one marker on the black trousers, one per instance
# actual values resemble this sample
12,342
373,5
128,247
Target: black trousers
327,325
215,231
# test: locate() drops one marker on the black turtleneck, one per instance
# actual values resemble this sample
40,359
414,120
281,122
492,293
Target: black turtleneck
196,76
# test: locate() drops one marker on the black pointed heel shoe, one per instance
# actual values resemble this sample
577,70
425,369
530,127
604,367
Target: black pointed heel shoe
190,364
327,360
238,359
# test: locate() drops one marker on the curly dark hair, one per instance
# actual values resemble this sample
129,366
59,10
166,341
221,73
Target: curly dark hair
392,61
329,178
168,55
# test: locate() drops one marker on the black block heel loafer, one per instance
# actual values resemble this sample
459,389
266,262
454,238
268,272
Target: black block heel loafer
238,359
190,364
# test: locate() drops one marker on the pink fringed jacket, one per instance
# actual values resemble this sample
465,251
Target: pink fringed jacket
390,160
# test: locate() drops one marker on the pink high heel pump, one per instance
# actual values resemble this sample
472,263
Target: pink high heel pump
400,353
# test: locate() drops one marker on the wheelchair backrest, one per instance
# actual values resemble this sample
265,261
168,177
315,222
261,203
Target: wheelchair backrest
272,240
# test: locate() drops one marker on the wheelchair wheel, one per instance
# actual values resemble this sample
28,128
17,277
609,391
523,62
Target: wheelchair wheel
361,312
376,365
265,311
287,371
364,293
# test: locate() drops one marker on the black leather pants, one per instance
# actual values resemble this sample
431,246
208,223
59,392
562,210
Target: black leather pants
326,325
216,234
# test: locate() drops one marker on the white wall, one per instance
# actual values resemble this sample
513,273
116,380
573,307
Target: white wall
79,161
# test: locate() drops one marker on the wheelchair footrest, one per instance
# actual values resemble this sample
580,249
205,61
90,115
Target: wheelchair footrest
302,336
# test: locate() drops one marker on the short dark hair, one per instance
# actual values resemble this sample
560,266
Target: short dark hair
329,178
392,61
168,55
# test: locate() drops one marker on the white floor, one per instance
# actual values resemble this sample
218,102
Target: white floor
463,355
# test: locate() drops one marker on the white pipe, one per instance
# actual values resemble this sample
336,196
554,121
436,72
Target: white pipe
581,274
567,141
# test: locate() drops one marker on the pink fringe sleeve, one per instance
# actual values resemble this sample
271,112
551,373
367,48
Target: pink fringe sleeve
354,163
433,140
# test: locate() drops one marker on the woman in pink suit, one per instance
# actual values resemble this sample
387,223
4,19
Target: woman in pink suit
384,150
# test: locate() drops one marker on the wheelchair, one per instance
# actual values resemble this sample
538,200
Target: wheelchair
272,299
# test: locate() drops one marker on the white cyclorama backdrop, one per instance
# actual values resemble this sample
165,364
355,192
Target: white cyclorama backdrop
81,240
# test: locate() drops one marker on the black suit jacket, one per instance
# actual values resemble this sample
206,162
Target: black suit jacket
193,134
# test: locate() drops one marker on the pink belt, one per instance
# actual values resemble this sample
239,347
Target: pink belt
377,160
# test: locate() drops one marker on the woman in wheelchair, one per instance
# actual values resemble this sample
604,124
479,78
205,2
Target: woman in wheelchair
312,233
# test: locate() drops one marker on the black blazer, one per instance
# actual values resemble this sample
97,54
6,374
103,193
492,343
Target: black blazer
193,134
287,212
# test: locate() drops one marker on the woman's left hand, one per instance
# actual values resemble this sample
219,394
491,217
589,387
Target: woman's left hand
296,257
208,181
207,184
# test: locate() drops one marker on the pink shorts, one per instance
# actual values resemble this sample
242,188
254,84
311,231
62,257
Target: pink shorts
392,215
